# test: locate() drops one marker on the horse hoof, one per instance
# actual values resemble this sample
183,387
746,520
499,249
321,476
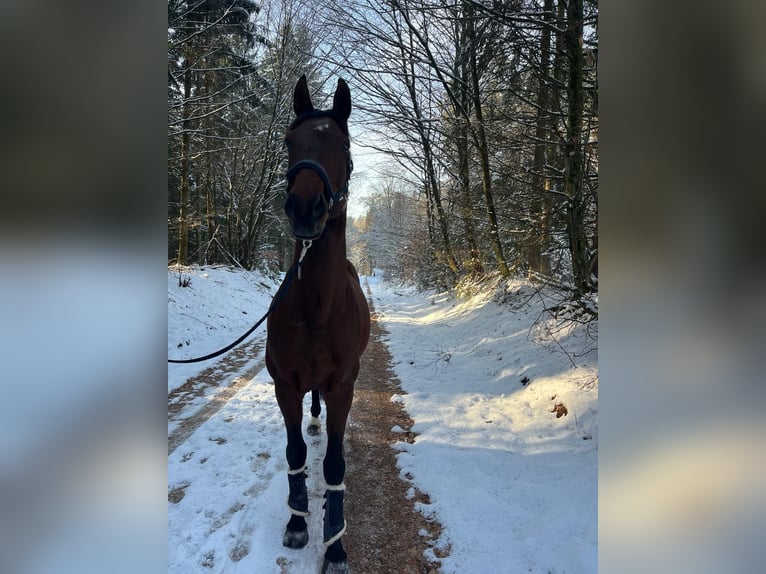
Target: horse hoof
335,567
313,430
295,539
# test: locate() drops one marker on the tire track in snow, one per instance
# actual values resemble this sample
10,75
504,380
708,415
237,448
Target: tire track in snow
180,401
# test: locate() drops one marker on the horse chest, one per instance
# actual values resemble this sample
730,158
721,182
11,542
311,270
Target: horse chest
309,353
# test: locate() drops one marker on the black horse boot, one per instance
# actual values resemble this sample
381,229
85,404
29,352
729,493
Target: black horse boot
335,560
297,532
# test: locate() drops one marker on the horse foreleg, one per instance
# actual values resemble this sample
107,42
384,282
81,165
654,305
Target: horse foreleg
334,464
296,533
315,425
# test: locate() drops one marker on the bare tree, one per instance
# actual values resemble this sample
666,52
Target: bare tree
487,111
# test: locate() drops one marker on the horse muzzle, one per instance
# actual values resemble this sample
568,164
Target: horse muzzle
307,217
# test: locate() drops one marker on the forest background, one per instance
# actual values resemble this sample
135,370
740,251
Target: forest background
474,132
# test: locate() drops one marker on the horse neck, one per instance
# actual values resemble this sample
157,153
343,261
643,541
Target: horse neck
323,267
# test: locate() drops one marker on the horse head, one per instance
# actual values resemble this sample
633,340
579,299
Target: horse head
319,161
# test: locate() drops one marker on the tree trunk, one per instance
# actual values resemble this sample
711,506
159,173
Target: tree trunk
183,215
474,263
539,261
449,257
573,173
486,176
432,180
474,260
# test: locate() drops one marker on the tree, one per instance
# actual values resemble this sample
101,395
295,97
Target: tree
392,233
574,173
207,73
232,67
488,112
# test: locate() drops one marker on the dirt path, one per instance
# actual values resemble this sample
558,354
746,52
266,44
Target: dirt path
385,534
384,529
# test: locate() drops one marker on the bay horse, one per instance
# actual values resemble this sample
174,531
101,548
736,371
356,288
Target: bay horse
321,327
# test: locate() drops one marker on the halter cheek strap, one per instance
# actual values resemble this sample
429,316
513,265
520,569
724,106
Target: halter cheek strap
332,198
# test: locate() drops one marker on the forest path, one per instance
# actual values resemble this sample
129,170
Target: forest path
385,534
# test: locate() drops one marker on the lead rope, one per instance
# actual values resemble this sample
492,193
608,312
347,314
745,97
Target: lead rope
277,298
306,244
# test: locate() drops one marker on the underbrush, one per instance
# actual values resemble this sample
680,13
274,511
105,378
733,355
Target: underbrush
561,316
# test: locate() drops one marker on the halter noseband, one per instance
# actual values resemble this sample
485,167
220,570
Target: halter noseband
332,198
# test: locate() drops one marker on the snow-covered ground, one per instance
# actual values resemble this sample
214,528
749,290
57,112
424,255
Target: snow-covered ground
513,485
219,305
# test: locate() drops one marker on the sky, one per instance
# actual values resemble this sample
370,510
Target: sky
368,174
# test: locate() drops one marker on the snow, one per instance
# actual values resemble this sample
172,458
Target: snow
218,306
513,486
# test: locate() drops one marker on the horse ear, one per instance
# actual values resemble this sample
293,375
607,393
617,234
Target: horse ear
301,98
341,102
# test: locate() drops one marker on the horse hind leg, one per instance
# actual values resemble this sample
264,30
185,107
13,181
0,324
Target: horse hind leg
315,425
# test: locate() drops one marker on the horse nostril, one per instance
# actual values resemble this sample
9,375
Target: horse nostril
318,208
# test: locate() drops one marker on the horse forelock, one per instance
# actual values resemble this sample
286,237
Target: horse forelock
313,114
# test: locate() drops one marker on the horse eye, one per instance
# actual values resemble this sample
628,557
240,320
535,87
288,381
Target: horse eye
346,146
286,143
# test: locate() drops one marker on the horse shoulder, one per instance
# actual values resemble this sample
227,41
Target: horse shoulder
360,306
351,270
